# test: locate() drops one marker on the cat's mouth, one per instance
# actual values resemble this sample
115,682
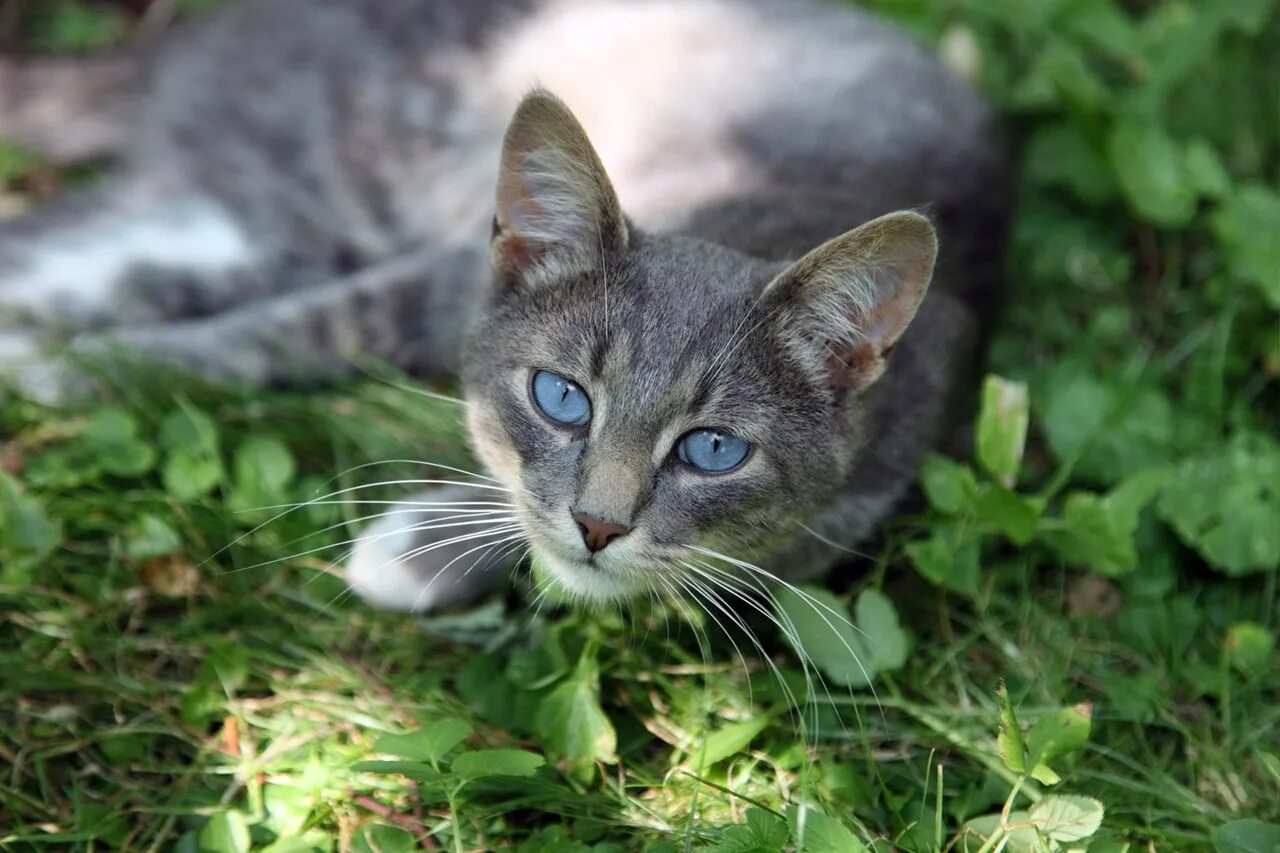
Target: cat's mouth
559,560
578,579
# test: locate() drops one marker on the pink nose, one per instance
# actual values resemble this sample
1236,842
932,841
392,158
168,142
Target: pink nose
598,533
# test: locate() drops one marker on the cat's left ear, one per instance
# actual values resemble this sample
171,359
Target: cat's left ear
557,212
848,301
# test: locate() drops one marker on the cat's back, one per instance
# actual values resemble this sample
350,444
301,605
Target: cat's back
710,115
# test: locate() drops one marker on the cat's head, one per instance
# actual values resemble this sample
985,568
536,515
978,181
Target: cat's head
643,394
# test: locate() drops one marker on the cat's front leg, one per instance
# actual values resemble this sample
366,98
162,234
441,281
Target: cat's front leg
441,548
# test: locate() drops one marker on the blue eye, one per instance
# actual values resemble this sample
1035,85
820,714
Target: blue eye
712,450
559,399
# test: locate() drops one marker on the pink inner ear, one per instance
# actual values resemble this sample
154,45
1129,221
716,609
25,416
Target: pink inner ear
852,367
513,251
884,323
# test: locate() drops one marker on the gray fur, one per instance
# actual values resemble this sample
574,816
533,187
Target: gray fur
335,163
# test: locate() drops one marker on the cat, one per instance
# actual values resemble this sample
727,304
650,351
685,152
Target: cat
713,352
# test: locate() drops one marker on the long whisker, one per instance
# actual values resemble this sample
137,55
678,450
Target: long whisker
452,540
782,621
793,635
440,465
691,587
440,573
374,516
810,600
421,392
817,607
348,490
434,524
712,583
833,544
491,516
388,502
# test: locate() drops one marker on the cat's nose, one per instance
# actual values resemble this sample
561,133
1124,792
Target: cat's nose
598,533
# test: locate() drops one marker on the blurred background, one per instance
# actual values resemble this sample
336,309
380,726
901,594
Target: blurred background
153,696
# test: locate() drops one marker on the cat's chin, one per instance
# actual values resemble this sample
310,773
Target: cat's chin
579,582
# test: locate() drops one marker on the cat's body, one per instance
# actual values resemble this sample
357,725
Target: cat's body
302,180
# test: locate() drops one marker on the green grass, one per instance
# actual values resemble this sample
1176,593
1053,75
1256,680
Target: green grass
166,680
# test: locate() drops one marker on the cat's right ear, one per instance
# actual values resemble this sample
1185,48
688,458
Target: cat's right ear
847,302
557,214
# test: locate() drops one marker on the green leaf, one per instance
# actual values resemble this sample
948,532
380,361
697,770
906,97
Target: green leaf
1097,531
1250,648
888,643
1109,430
949,557
1251,16
1059,155
1224,503
380,838
729,740
762,832
1009,742
1101,23
287,808
1002,428
1151,170
571,722
1061,75
109,427
815,832
194,466
1022,838
430,743
482,763
1246,227
111,440
1055,736
226,832
1064,818
189,429
188,477
821,625
27,534
1179,40
949,485
1013,515
1246,836
151,536
132,459
488,692
1205,169
264,465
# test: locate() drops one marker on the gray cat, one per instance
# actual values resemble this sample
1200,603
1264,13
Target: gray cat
677,371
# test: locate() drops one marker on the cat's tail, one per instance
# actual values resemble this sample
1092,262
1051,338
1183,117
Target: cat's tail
67,109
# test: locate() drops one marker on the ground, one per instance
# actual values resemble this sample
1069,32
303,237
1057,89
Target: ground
1074,627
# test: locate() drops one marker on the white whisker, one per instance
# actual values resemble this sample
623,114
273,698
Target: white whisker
814,604
445,522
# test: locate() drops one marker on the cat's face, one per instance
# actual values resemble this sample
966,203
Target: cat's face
644,396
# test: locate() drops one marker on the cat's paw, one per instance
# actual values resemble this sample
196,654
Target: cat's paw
397,564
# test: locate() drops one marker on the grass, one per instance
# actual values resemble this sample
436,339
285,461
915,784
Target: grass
167,681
